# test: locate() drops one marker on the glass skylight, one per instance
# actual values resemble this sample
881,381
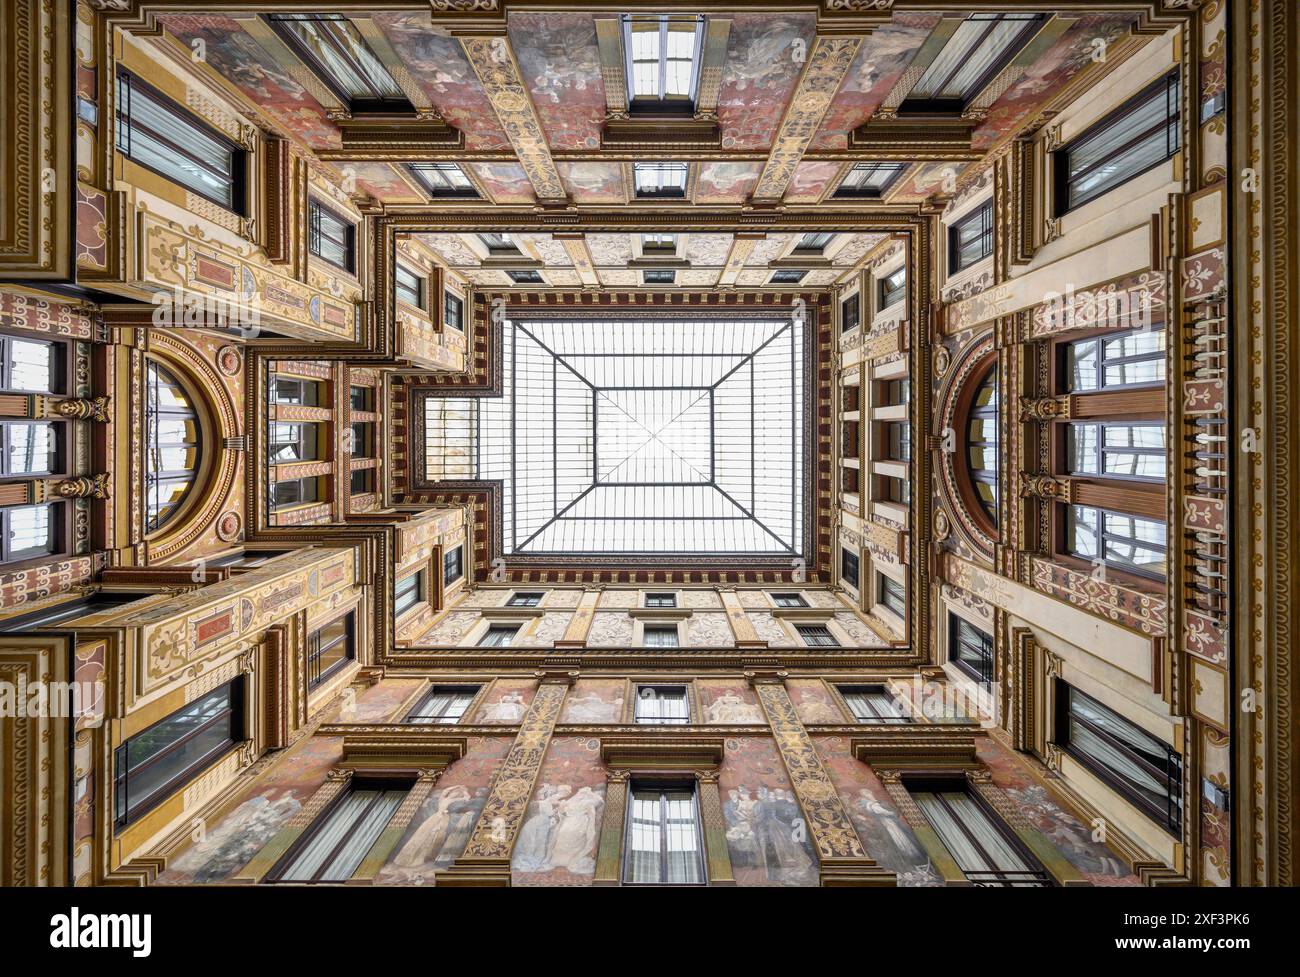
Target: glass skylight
638,436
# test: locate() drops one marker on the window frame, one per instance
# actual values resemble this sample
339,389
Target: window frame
459,562
58,364
375,104
233,715
659,276
889,592
872,168
890,293
238,177
450,301
663,787
955,105
660,599
420,173
1100,450
317,215
525,276
787,276
57,455
416,285
853,303
897,716
668,631
823,638
414,716
526,598
1101,535
1172,816
498,627
661,191
661,104
275,442
982,674
982,217
313,497
783,599
155,477
417,593
316,651
1171,85
845,556
659,688
57,535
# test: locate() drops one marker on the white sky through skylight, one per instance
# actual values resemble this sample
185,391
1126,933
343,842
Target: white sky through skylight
638,436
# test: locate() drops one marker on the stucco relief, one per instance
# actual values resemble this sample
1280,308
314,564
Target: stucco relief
709,631
452,628
610,629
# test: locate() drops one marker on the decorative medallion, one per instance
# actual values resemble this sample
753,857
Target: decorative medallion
229,526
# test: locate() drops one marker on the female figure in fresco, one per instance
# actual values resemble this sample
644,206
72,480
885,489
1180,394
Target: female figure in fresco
576,831
428,839
509,709
535,836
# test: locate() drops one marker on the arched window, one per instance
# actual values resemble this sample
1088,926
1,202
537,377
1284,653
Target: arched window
171,446
982,443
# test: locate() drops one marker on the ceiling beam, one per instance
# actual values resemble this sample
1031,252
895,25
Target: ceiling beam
576,247
828,62
498,72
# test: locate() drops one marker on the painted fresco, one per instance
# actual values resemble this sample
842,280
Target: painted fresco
728,701
881,829
810,181
593,182
608,630
1043,79
766,834
277,796
441,827
380,703
233,53
381,181
1098,864
561,830
765,56
709,631
880,62
560,64
506,702
726,183
504,183
708,249
814,702
594,701
439,66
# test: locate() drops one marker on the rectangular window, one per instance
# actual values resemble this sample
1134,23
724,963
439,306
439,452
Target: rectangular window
295,491
362,481
499,244
30,365
408,593
499,636
334,48
869,179
293,441
970,649
444,705
663,60
662,705
331,237
849,567
363,439
897,392
453,311
850,313
29,531
443,180
659,276
1139,135
659,244
663,845
817,636
1119,540
526,276
815,241
410,286
898,441
159,135
660,600
660,636
1115,362
524,599
1146,771
893,595
330,649
659,179
874,705
787,276
981,46
453,567
292,390
970,240
789,600
898,490
361,398
30,448
1117,450
154,763
892,288
338,840
981,845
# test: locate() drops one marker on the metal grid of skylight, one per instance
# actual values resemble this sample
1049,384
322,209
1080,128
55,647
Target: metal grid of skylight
638,436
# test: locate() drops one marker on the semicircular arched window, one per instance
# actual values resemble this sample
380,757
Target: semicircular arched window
982,444
171,446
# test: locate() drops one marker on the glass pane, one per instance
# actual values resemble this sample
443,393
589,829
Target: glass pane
28,531
30,365
644,838
31,449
